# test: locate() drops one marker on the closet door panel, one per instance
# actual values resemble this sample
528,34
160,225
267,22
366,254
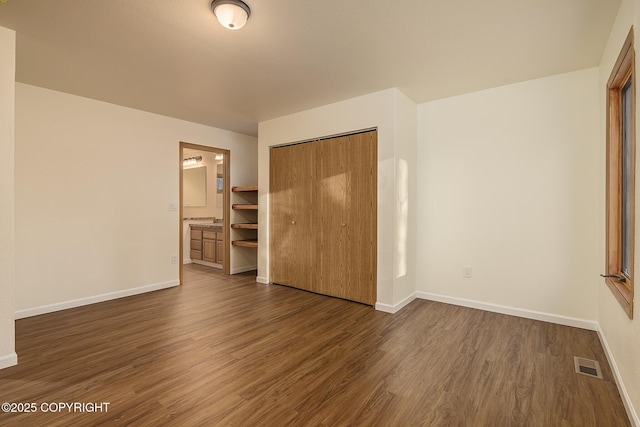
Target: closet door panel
347,215
333,259
292,250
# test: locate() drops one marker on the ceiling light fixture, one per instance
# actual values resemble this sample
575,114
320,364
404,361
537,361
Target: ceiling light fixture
232,14
191,160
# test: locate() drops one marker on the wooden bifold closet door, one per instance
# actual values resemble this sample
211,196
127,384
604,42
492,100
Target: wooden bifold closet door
323,200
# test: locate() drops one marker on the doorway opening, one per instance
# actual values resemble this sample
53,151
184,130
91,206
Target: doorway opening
204,207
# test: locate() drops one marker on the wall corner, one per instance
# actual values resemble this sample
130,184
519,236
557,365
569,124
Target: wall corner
7,220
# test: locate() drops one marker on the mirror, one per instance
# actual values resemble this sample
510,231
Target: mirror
194,185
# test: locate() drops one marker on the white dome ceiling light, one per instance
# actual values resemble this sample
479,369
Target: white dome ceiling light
232,14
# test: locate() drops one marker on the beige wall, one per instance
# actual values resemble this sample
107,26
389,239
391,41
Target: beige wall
394,115
621,335
7,246
508,185
94,184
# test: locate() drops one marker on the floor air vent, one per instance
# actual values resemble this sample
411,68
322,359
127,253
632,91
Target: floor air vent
587,367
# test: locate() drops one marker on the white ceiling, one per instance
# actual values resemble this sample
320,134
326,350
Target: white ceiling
171,57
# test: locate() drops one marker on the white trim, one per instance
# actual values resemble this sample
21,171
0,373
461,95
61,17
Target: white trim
393,309
387,308
591,325
28,312
626,399
186,261
7,360
262,280
244,269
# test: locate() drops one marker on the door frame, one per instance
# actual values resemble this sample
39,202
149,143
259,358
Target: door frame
226,198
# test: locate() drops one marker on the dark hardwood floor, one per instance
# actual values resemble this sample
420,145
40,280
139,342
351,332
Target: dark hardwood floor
224,350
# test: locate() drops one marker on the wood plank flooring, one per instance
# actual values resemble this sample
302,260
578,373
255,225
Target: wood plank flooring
224,350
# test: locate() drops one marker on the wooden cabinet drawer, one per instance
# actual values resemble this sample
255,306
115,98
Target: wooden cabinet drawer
219,235
196,254
196,245
209,235
196,234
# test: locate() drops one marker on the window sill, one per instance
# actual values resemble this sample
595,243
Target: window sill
622,294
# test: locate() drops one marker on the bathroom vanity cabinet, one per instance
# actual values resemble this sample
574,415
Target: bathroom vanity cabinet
207,243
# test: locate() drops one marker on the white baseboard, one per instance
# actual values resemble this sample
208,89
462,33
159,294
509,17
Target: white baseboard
262,280
36,311
395,307
626,399
7,360
243,269
591,325
186,261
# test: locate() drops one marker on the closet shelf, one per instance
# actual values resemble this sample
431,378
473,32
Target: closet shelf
246,226
250,243
244,206
248,239
244,189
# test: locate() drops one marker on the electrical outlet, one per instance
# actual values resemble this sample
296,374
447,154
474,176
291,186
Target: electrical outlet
174,259
466,271
173,206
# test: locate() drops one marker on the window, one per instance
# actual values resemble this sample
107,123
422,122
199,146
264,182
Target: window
621,176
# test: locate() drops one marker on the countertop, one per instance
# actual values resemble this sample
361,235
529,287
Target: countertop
206,225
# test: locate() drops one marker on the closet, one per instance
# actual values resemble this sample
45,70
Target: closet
323,204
